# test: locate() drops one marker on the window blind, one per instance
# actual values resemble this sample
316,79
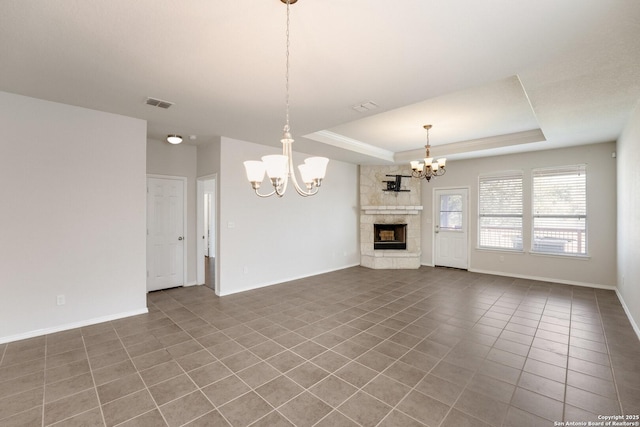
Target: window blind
500,211
560,210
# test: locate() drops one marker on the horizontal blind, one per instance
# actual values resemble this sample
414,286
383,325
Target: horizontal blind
560,210
500,211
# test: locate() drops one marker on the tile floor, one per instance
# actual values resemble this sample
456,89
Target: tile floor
357,347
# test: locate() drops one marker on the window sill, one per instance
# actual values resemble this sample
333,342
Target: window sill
568,256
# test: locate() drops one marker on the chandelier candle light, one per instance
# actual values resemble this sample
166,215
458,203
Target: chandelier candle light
428,168
280,168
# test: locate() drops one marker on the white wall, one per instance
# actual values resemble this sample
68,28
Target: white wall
628,268
179,160
598,269
267,241
73,216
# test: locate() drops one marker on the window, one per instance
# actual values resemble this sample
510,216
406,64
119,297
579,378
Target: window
500,216
560,210
451,212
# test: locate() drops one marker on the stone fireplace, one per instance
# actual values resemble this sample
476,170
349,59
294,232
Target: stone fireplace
389,219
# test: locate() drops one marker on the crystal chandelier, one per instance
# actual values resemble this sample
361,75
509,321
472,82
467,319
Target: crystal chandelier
280,168
427,168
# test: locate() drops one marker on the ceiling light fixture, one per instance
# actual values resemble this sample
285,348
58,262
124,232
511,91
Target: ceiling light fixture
427,168
280,168
174,139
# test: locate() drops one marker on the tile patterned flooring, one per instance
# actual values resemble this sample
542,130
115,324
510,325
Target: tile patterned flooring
356,347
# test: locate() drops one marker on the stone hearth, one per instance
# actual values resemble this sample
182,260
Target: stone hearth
389,207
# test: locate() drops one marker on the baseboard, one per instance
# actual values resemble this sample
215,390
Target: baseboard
545,279
289,279
68,326
192,283
634,325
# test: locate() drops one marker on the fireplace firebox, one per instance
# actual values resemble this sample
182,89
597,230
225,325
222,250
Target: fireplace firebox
390,236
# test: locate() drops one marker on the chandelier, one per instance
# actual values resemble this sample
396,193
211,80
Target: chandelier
427,168
280,168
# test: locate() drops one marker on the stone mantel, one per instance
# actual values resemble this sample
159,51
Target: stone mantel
392,210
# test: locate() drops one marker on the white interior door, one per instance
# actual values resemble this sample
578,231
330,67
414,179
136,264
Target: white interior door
165,233
451,228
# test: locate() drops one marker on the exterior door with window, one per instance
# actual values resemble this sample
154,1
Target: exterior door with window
165,233
451,228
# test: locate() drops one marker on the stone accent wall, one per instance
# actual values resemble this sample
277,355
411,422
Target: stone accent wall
388,207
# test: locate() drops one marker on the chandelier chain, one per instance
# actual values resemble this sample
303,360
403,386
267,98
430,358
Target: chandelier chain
286,126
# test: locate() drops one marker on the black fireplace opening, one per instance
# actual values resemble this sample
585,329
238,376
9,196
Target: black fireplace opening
390,236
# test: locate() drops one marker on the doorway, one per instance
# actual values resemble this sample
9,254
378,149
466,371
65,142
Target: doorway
165,232
451,228
207,226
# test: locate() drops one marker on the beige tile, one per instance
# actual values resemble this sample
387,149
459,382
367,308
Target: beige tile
440,389
240,360
106,359
286,361
330,361
73,385
67,371
152,418
387,390
537,404
127,407
160,373
196,360
396,418
186,409
356,374
152,359
492,387
518,418
172,389
406,374
119,388
12,405
272,419
210,373
307,374
225,390
305,409
32,417
279,390
20,369
70,406
591,402
21,384
423,408
245,410
258,374
333,390
209,419
113,372
91,418
364,409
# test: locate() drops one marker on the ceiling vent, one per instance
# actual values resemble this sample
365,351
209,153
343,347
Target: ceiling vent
365,106
159,103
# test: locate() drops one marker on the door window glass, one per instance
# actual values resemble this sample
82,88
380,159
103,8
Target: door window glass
451,212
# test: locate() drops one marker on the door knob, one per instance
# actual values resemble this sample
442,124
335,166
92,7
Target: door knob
180,238
437,228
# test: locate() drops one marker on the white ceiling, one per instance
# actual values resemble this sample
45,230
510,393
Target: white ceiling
492,77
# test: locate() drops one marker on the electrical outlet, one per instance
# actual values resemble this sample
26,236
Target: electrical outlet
60,300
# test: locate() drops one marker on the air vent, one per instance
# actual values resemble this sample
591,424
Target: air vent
159,103
365,106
